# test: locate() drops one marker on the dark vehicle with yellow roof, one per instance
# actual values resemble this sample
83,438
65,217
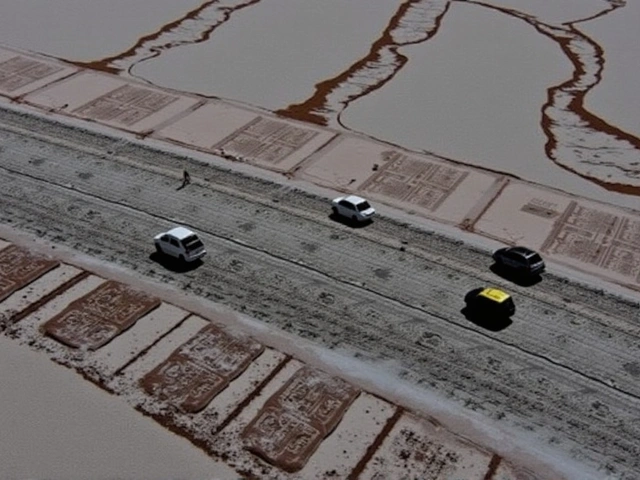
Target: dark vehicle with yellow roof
491,301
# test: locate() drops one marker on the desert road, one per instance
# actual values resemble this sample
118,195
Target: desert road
564,372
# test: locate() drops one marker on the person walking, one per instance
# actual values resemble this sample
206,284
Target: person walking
186,178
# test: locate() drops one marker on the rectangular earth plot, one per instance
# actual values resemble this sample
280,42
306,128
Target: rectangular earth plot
593,237
113,101
20,74
272,143
417,448
296,419
98,317
19,267
413,181
201,368
20,71
418,183
126,105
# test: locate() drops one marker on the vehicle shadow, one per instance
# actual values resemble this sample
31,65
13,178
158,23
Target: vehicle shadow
514,277
491,322
348,222
173,264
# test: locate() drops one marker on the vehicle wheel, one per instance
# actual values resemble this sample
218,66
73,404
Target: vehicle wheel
159,250
334,210
354,219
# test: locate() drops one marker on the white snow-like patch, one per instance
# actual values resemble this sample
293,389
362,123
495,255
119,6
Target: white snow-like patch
383,378
129,344
37,289
164,348
340,451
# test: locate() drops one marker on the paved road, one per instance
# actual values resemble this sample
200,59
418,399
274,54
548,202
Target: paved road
565,371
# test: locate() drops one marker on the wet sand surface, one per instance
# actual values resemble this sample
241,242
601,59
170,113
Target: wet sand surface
62,427
398,65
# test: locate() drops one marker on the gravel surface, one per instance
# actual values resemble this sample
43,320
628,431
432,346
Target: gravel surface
565,371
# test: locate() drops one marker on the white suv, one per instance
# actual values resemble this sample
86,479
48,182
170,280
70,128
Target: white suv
352,207
180,243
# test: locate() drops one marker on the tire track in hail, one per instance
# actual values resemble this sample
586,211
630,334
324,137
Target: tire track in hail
560,331
410,302
457,374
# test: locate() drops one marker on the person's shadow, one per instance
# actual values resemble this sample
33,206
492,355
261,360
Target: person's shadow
487,320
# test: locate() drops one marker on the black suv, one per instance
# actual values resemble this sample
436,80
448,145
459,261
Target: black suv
520,260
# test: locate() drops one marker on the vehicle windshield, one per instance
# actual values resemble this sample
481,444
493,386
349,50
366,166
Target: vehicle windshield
363,206
535,258
192,243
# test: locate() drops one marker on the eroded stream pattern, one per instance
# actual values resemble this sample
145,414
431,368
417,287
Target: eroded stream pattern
577,139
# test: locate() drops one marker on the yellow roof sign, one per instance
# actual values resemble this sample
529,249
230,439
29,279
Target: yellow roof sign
494,294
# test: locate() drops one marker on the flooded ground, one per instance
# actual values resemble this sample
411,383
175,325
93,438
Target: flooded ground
76,431
615,98
540,90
